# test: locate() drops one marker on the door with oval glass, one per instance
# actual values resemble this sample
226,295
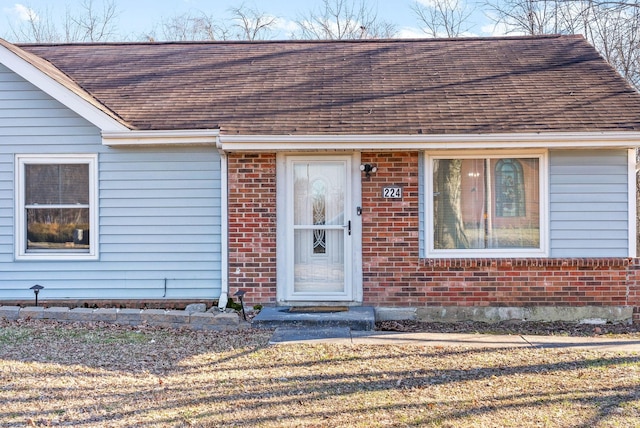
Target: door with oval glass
319,229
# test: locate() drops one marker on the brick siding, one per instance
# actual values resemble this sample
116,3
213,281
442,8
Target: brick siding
393,273
252,226
390,231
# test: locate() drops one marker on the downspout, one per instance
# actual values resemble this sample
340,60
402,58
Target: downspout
224,225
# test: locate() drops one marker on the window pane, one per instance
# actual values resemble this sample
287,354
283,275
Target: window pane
319,193
514,221
49,228
315,273
486,203
57,184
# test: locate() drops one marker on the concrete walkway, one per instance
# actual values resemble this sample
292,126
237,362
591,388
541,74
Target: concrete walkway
344,335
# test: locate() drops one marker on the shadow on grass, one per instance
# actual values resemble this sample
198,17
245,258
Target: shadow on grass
212,384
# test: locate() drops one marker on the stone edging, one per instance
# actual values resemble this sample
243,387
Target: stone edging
195,320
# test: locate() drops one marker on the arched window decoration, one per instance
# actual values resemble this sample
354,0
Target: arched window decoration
319,204
509,188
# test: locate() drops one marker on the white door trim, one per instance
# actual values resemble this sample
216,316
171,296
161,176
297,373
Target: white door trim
285,248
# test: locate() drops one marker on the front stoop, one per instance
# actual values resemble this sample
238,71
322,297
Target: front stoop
361,318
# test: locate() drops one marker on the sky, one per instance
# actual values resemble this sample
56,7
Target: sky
139,17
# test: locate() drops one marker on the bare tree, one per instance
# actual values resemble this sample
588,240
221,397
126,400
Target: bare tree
92,24
449,230
89,23
440,18
193,27
251,23
344,19
531,17
613,27
35,26
614,30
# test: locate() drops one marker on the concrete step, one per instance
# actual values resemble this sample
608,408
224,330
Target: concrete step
360,318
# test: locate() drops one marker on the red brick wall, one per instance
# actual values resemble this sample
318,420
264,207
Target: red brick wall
252,226
390,231
634,288
514,282
393,273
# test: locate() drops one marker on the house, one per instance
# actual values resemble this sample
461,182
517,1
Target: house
488,177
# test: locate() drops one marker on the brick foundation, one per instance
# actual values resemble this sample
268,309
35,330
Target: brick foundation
508,282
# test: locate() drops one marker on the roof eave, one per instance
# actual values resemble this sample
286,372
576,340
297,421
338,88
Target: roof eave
76,99
176,137
245,143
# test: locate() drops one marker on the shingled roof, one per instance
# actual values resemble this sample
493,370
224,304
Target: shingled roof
427,86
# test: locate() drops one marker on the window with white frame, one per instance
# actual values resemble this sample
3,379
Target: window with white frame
56,206
481,206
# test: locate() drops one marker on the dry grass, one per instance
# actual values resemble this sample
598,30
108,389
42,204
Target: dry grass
106,376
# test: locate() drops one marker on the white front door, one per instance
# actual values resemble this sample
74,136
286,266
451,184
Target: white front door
319,230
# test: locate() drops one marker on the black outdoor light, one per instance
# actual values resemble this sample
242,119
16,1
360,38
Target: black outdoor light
36,289
239,294
368,169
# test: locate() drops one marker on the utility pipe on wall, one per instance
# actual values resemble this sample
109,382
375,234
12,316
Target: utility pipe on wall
224,232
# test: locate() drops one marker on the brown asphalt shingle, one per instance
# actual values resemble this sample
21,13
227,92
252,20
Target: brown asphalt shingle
430,86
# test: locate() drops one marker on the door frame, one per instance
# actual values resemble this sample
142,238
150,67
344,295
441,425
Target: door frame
284,252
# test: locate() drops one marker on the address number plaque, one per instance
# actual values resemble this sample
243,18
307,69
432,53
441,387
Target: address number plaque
392,192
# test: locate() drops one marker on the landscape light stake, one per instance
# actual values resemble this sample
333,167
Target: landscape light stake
240,294
36,289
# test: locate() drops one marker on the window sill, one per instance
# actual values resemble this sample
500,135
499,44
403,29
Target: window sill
485,254
56,257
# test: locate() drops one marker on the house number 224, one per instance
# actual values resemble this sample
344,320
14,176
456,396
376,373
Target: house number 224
392,192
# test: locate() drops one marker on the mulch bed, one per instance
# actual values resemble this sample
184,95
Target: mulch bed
513,327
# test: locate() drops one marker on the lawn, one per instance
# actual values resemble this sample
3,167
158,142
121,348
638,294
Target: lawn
107,376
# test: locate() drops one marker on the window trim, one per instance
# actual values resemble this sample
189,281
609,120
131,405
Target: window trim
21,252
542,251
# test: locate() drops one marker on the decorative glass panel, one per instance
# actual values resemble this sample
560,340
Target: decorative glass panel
509,188
319,207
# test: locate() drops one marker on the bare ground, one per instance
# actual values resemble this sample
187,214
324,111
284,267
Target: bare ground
100,375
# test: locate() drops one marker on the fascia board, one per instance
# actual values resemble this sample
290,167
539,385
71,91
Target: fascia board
58,91
232,143
161,138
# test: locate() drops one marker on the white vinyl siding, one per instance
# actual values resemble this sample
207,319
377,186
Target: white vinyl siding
159,209
589,203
